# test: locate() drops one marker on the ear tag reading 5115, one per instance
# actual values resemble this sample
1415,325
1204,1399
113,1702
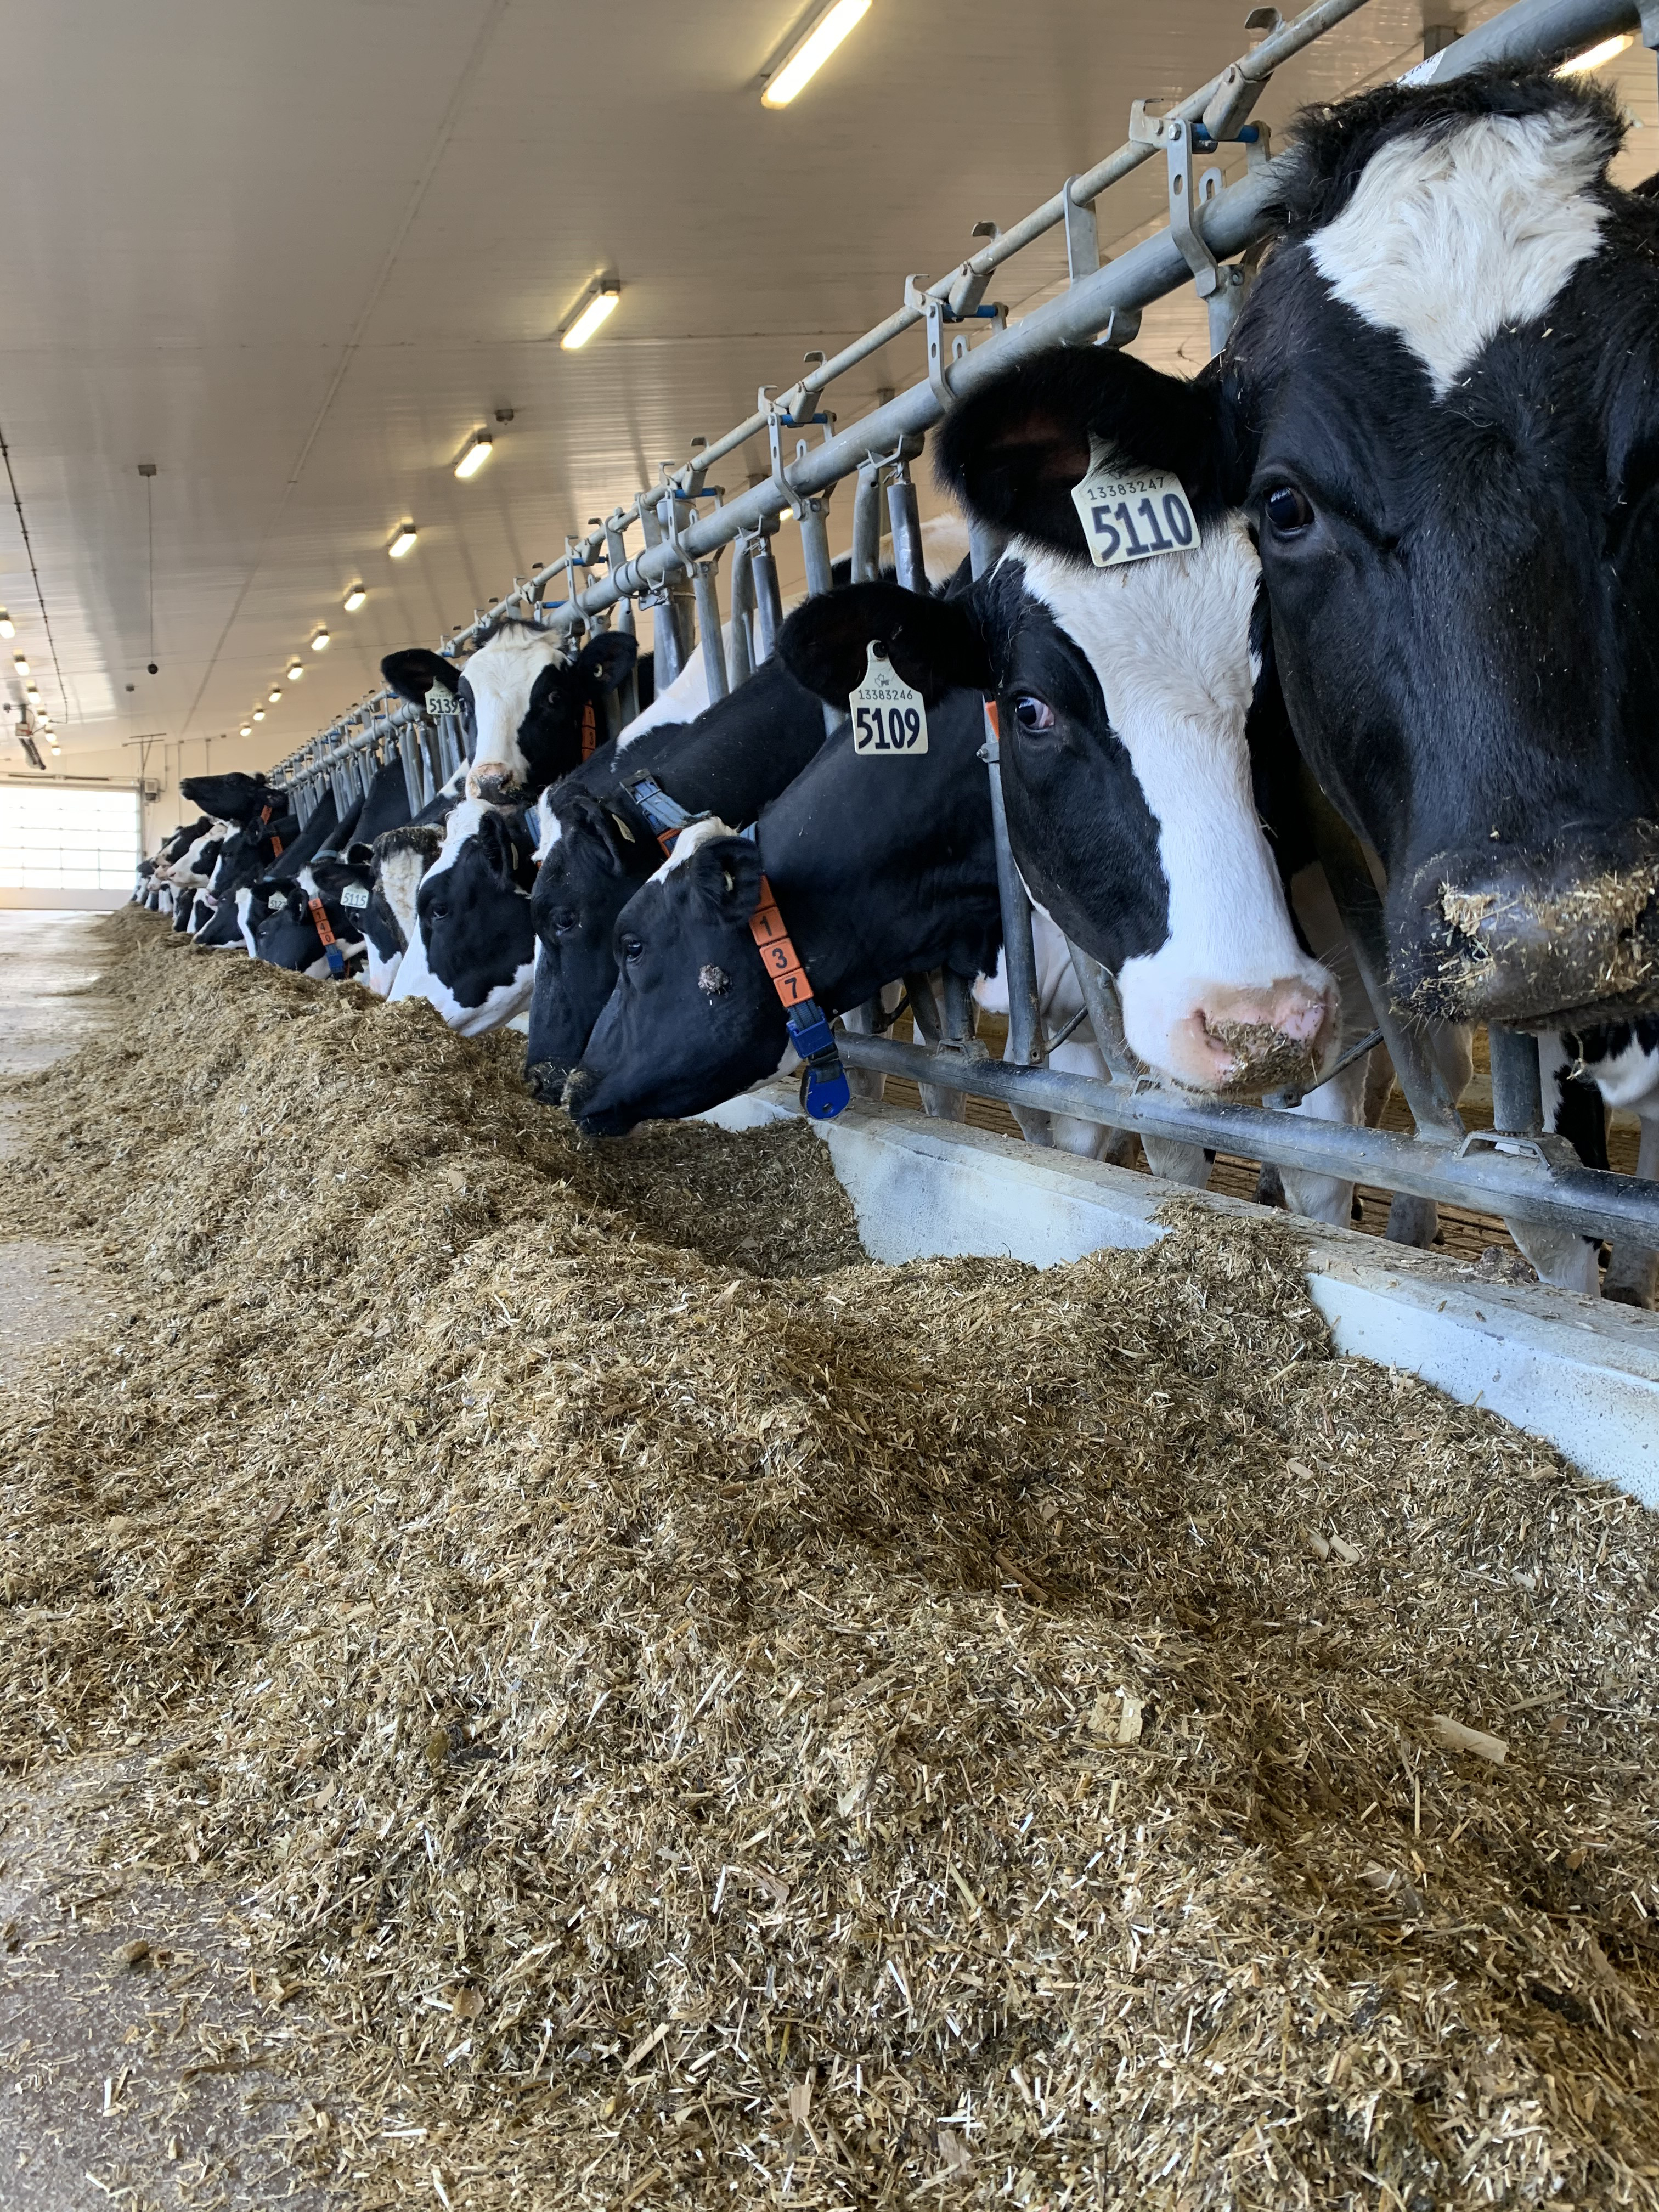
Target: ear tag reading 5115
1131,514
355,894
888,716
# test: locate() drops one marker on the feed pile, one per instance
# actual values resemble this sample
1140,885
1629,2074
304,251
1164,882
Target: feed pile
697,1718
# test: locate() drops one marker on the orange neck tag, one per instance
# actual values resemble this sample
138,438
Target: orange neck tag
590,729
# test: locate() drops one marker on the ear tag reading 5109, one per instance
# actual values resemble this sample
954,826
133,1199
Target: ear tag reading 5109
888,716
1131,514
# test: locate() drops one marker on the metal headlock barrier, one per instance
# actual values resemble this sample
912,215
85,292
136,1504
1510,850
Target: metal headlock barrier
1532,1179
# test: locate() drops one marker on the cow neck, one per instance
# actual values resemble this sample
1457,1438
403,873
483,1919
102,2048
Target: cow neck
265,814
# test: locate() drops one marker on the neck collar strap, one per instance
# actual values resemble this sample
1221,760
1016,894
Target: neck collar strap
331,951
825,1089
665,815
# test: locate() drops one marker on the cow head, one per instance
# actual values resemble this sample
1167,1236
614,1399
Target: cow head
526,697
1440,411
1125,702
281,925
347,885
233,797
594,855
693,1018
473,949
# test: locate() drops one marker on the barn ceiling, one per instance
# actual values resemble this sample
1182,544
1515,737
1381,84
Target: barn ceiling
294,256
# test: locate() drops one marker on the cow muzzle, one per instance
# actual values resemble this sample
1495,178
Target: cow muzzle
1242,1042
1545,939
497,786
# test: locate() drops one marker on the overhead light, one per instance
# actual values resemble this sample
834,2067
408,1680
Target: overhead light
809,54
275,693
354,597
258,713
8,627
32,690
247,730
19,664
1597,56
295,670
603,303
319,643
404,542
477,453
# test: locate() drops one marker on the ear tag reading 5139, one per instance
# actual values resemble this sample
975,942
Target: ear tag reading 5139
1131,514
439,700
888,716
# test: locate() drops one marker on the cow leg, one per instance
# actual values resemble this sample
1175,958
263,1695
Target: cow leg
1323,1197
861,1020
1632,1276
942,1104
1572,1110
1178,1163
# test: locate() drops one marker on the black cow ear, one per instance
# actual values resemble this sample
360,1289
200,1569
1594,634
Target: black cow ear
725,877
413,673
582,819
934,644
1012,453
607,660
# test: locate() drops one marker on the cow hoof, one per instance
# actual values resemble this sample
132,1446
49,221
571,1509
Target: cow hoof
1270,1188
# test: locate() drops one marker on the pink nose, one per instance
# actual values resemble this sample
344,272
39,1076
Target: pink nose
1262,1040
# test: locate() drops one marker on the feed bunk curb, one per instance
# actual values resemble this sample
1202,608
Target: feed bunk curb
1582,1375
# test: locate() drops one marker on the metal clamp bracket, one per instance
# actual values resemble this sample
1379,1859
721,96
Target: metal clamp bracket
937,313
776,423
1549,1150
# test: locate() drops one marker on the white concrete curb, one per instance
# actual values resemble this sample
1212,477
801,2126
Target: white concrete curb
1583,1375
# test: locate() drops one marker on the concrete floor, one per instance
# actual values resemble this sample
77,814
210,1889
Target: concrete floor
136,2063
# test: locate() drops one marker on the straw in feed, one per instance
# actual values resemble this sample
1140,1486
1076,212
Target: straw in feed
690,1716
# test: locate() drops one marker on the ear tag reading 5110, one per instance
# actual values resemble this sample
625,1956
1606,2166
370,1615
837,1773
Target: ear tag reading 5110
1131,514
888,716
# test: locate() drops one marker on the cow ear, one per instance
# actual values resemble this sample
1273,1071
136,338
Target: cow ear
412,673
934,644
607,660
1012,453
584,820
724,877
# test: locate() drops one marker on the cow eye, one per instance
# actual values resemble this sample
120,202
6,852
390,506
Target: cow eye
565,922
633,948
1288,510
1034,714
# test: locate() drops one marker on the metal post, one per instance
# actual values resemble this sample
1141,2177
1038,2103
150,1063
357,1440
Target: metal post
769,602
743,607
1518,1100
628,691
709,622
908,557
866,524
815,543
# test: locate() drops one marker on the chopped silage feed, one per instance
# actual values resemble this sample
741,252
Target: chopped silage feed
703,1719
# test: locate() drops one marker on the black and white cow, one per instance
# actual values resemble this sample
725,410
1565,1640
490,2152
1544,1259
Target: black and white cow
872,881
528,700
597,847
247,853
280,923
1440,407
472,952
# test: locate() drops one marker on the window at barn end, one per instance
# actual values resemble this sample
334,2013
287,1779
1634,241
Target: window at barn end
65,847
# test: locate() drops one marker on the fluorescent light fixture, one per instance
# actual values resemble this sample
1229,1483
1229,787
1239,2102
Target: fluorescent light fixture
1597,56
354,598
19,664
275,693
247,729
404,542
319,643
602,304
8,627
809,53
475,456
32,690
258,713
295,670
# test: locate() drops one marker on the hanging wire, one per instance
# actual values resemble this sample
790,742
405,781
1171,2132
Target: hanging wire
28,547
147,470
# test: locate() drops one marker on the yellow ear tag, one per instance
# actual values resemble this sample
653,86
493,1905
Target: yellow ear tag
1132,514
889,720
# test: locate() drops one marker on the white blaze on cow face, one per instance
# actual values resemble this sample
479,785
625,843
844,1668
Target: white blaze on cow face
499,679
1452,234
415,978
696,834
1168,642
